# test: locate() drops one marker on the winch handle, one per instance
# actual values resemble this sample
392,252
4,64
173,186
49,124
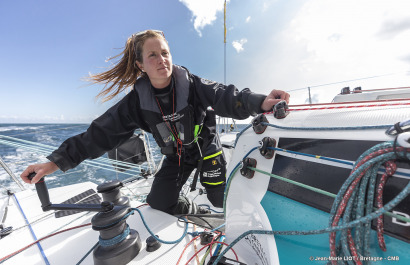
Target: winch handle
42,191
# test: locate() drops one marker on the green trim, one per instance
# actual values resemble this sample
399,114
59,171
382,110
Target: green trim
213,155
197,131
216,183
399,217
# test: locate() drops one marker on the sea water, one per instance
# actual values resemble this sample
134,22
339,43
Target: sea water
46,138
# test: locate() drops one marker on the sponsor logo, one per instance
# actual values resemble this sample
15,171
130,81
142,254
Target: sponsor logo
207,82
212,173
172,117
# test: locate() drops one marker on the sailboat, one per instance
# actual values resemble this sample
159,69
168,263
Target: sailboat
323,183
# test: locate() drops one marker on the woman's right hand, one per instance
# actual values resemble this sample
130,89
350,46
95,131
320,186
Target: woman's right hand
40,169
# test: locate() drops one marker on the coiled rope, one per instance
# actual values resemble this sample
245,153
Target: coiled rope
366,168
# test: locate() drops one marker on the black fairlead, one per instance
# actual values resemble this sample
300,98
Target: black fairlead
267,145
257,125
280,110
245,171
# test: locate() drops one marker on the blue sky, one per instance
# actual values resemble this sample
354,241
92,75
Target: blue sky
48,46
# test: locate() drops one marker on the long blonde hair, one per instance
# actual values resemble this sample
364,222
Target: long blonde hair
125,71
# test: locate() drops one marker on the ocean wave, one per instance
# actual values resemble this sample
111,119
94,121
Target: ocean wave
19,128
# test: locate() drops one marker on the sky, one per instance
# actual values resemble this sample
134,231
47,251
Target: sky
47,47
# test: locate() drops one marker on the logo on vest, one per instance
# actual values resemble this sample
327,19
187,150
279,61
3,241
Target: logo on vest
212,173
207,82
172,117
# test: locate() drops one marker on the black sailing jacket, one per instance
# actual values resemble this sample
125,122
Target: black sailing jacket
139,109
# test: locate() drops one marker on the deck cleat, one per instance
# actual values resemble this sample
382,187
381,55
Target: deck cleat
267,145
245,171
257,125
206,238
280,110
152,244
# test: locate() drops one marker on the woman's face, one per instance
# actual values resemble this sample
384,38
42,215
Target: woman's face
156,62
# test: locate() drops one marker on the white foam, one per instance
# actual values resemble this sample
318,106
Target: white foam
19,128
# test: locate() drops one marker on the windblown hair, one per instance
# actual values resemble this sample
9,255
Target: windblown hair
125,71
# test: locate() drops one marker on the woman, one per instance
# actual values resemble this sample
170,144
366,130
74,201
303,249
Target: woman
171,103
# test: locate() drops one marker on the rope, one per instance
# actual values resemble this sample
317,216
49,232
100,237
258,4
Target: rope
157,238
115,240
47,149
94,163
241,132
346,201
88,253
365,127
331,107
365,219
32,231
363,177
231,175
37,241
357,79
344,162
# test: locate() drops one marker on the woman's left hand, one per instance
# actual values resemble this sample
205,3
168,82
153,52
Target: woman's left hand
273,98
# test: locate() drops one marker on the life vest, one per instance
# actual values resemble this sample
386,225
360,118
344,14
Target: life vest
183,119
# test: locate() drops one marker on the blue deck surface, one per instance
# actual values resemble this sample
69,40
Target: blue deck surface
285,214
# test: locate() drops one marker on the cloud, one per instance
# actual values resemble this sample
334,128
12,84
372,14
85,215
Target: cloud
203,12
320,45
238,44
248,19
394,26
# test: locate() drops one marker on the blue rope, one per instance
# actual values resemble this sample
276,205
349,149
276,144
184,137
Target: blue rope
368,127
32,231
332,159
157,238
231,175
209,208
241,132
218,247
222,225
403,194
88,253
370,176
365,127
315,156
115,240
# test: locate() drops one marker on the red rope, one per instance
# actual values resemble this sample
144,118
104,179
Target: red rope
172,128
215,242
332,106
352,247
35,242
390,169
186,246
340,211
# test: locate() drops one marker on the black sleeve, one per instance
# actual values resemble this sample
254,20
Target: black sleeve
109,130
227,101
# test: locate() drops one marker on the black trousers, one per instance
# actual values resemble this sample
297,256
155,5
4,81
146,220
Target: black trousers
167,185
